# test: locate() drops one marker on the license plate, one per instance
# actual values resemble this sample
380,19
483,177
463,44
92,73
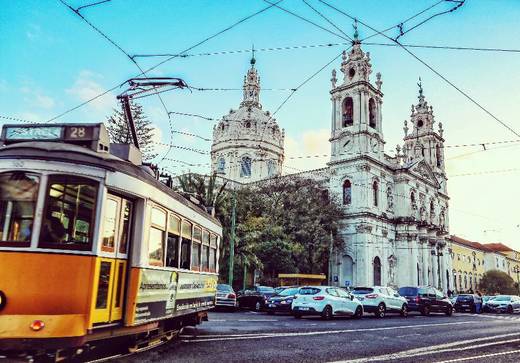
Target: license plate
465,306
303,308
272,305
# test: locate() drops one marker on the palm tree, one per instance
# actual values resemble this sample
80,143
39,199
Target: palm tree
204,188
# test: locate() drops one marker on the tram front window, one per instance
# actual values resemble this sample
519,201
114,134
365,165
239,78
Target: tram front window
18,195
69,213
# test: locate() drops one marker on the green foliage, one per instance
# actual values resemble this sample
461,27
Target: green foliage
283,225
498,282
119,130
204,188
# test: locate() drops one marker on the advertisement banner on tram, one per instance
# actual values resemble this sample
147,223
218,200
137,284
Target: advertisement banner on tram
195,291
156,295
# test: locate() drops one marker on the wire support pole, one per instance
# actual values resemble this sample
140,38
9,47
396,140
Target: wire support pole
232,238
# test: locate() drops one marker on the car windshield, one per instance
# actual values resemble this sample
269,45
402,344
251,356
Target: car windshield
465,297
487,298
363,290
266,289
223,287
502,298
408,291
289,292
309,291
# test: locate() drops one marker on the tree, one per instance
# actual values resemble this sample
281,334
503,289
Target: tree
498,282
119,130
204,188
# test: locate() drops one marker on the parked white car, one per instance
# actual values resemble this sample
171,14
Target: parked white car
381,300
327,301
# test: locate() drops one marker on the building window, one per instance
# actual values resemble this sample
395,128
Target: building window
116,224
347,192
186,244
196,248
412,200
438,155
348,111
157,237
221,165
205,252
245,167
18,195
377,271
375,190
213,253
172,244
372,113
271,168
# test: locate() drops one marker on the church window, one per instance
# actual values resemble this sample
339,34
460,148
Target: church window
248,124
377,271
271,168
245,167
420,123
372,113
351,72
423,149
348,112
347,192
432,210
438,155
221,165
375,190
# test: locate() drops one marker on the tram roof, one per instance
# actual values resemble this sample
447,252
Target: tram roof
69,153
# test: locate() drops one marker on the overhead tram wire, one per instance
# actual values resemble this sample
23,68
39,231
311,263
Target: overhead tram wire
429,67
168,59
76,11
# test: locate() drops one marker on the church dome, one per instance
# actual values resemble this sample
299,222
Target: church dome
248,144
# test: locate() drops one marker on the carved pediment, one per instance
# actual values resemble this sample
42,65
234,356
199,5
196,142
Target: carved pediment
423,170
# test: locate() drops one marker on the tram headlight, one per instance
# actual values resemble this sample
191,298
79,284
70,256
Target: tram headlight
37,325
3,300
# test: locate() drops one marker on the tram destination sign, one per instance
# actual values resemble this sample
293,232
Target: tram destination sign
64,133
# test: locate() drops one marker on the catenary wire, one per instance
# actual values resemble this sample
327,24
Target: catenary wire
167,60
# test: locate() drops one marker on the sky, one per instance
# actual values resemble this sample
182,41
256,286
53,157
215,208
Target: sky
51,61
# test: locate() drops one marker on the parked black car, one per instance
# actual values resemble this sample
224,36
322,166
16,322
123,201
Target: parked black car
281,301
255,297
467,302
426,300
503,304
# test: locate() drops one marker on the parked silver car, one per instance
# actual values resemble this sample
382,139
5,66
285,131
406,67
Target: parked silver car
226,297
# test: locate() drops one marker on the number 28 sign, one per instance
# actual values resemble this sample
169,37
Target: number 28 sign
78,133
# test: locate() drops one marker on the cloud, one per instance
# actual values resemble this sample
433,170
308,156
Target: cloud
312,143
87,86
36,97
34,32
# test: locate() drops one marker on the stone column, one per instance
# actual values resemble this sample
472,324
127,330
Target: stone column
426,262
414,245
434,263
444,277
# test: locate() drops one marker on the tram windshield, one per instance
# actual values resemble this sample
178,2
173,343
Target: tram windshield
69,213
18,195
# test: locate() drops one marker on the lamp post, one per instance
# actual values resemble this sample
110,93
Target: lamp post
516,270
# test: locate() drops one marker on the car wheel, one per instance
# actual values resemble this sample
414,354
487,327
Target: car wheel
327,313
449,311
258,306
404,311
297,316
381,311
425,311
359,313
510,309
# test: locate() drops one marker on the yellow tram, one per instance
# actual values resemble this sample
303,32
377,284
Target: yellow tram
93,246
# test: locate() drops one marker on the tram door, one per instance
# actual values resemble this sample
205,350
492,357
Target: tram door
111,268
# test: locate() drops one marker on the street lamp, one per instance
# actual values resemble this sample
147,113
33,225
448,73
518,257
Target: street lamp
516,270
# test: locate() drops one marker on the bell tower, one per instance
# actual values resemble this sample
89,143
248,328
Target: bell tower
252,86
356,107
423,141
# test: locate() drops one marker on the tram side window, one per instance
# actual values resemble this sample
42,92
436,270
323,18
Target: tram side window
204,264
18,195
186,245
172,248
69,213
213,254
157,238
195,249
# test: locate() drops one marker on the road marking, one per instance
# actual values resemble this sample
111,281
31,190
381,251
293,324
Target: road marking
258,320
321,332
481,356
436,349
408,335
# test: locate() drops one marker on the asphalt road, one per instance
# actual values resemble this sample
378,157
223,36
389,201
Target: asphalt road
258,337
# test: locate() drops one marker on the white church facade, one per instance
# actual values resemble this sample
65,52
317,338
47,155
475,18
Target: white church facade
396,208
